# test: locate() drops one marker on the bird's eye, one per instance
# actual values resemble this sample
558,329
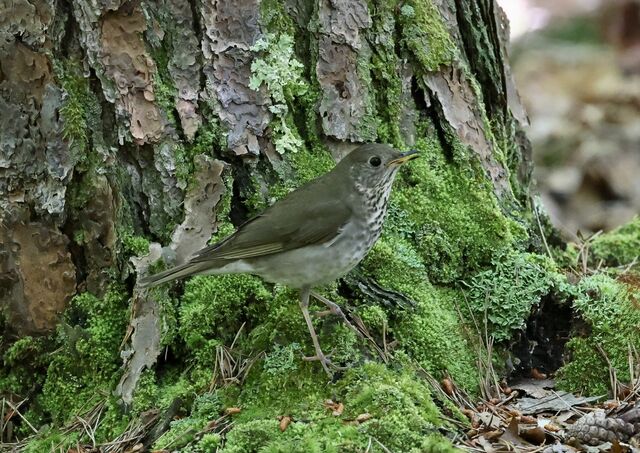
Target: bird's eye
375,161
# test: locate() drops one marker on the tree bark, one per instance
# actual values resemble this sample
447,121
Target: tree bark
128,122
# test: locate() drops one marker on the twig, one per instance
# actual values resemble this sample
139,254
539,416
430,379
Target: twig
385,449
15,408
544,239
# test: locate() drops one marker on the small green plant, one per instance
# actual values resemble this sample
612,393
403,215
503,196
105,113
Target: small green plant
506,293
79,107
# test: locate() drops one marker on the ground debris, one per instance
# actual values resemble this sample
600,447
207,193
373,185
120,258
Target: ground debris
537,417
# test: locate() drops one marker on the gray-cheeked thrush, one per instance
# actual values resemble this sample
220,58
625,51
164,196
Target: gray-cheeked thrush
314,235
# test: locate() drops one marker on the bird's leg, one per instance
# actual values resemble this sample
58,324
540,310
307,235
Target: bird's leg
304,306
336,310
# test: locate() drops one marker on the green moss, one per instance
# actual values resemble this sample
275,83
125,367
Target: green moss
80,109
23,364
206,408
164,90
403,416
424,34
619,247
52,440
505,294
211,307
134,245
611,311
385,65
431,334
274,18
209,138
451,215
87,360
209,443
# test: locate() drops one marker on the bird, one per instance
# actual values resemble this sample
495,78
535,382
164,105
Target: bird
313,236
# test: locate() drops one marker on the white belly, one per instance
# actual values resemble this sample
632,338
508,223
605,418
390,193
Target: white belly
318,264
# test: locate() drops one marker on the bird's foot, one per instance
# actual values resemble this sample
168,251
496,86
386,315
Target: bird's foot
334,309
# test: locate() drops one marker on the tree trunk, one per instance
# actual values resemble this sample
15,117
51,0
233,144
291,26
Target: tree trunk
133,131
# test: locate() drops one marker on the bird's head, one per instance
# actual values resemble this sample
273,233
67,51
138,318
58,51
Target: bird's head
373,165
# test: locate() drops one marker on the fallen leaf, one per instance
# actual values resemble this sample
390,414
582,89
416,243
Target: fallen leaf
232,410
536,374
533,387
490,420
486,445
284,423
615,447
493,434
364,417
528,420
447,386
534,435
559,401
562,417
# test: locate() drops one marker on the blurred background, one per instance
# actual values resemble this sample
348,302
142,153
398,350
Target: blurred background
577,68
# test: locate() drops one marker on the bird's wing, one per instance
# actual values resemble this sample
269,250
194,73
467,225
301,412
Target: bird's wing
290,223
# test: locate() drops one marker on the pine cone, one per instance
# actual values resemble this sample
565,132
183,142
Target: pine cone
596,428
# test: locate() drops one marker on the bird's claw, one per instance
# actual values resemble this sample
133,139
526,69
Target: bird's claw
335,309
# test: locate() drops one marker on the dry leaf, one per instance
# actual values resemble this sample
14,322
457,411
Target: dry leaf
534,388
232,410
490,420
552,427
486,445
284,422
534,435
536,374
447,386
364,417
336,408
615,447
493,434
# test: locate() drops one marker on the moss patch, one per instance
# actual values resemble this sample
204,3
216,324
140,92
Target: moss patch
620,247
424,34
507,292
80,109
88,357
611,311
450,215
401,416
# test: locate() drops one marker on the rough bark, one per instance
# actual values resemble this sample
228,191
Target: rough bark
129,122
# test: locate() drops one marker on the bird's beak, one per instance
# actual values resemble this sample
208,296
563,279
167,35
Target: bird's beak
404,157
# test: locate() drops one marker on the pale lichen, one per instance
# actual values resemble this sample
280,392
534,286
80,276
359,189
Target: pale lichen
280,71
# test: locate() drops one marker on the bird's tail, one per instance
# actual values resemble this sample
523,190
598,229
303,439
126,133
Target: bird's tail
181,271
